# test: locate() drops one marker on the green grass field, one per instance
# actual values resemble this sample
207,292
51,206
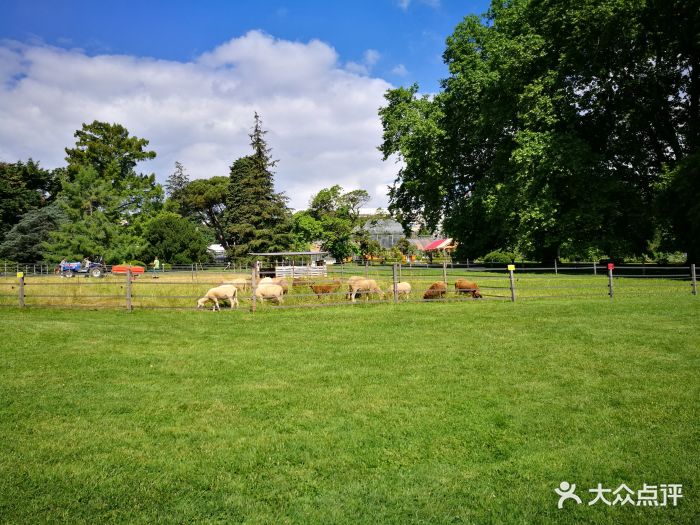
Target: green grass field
469,412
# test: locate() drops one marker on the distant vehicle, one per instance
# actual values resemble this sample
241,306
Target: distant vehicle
86,267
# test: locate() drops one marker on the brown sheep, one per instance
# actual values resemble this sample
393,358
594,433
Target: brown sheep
323,289
470,287
437,290
363,286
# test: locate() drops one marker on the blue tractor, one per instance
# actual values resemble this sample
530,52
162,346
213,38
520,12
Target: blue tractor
86,267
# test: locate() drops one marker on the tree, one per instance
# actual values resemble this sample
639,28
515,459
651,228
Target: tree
105,200
204,200
177,182
257,218
553,127
174,239
332,218
110,150
24,242
679,207
24,186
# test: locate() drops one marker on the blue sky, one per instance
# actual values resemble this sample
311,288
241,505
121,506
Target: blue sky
188,76
409,33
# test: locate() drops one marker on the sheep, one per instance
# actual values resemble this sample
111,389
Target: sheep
364,286
323,289
403,288
352,280
269,290
470,287
226,291
240,283
437,290
281,281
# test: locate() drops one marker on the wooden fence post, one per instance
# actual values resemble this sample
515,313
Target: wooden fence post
556,267
693,280
254,286
511,278
395,282
128,289
366,268
595,269
444,272
610,282
21,289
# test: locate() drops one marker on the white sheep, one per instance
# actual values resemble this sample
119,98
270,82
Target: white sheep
403,288
364,286
276,280
226,291
269,291
240,283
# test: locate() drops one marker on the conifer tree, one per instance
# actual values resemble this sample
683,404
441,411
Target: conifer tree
257,217
177,182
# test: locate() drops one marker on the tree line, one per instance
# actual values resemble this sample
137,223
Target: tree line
98,204
564,129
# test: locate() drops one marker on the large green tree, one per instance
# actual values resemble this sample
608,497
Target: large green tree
257,218
175,239
105,199
552,128
332,218
24,186
204,200
25,241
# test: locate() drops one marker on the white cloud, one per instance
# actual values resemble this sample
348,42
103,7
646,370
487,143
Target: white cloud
405,4
369,58
400,70
321,118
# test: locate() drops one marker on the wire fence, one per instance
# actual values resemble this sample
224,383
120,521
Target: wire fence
343,285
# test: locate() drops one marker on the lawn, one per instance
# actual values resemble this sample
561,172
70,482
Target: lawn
470,412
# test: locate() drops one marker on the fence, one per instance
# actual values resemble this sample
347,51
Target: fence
181,289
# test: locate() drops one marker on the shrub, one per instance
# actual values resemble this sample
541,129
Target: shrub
500,256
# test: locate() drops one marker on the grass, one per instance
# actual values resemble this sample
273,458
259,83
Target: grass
417,413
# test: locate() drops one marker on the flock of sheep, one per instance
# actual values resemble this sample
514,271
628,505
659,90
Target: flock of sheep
274,289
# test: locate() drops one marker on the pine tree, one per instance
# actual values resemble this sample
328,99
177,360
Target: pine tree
177,182
258,218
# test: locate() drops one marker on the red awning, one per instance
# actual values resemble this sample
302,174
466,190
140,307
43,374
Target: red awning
438,244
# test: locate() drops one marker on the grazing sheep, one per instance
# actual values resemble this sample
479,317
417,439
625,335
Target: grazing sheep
269,290
437,290
226,291
403,288
240,283
281,281
363,286
323,289
470,287
352,280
